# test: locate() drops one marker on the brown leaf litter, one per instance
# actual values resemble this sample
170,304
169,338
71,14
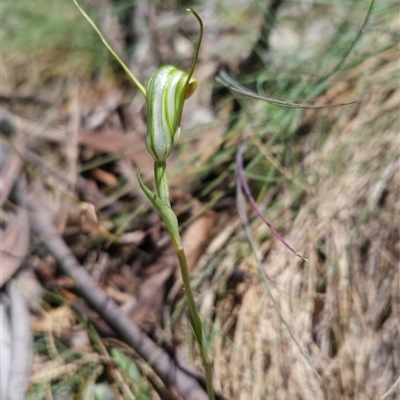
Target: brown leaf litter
343,306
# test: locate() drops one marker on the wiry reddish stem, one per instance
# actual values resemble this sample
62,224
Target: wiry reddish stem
243,181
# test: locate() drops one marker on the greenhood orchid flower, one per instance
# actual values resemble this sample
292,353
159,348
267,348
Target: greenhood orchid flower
168,88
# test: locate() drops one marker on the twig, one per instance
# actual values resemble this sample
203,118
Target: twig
21,346
173,377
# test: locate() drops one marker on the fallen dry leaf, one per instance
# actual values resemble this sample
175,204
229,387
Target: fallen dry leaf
198,235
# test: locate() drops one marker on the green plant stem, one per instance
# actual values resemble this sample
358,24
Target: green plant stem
119,60
160,176
194,314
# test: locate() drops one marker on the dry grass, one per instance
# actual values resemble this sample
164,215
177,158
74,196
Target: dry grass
343,306
324,329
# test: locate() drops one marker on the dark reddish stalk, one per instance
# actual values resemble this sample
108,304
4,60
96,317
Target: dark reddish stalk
243,182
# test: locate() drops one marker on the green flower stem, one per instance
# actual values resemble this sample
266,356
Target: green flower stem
194,315
161,202
159,142
160,176
195,319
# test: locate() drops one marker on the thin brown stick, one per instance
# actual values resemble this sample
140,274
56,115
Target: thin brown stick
178,381
21,345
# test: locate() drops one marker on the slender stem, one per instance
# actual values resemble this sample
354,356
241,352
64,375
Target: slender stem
195,318
171,222
166,212
103,39
160,176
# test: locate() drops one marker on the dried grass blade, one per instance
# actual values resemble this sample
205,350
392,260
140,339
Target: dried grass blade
243,182
226,80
